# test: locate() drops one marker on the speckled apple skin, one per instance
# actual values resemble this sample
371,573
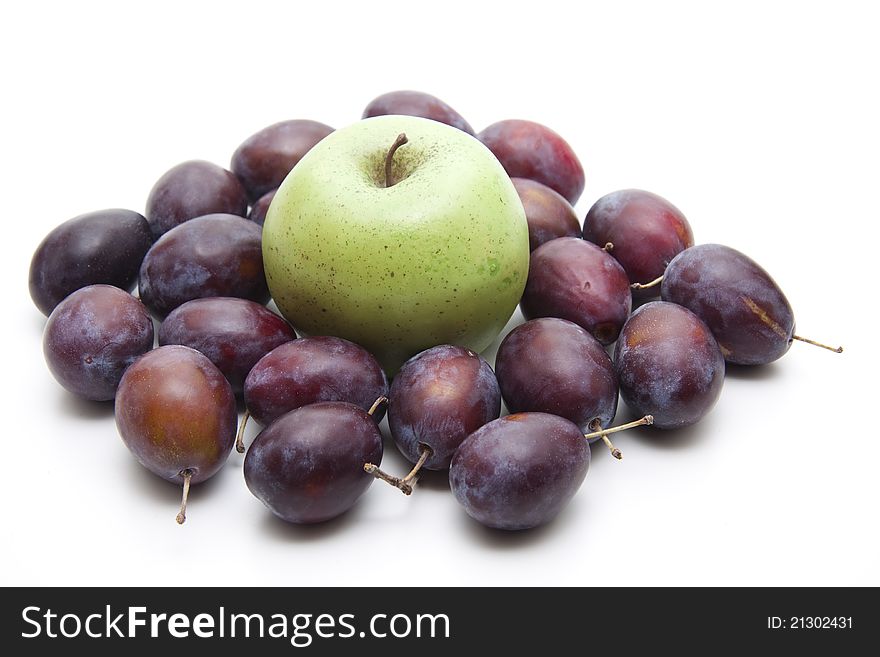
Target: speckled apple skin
440,257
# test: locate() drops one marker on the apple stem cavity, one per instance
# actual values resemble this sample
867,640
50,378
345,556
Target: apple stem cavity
836,350
376,404
406,484
389,158
609,247
187,480
596,426
239,437
647,286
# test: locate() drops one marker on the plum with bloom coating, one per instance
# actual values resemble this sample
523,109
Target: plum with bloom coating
93,336
438,398
416,103
739,301
530,150
668,365
218,255
233,333
555,366
265,158
193,189
519,471
176,413
575,280
313,369
307,466
104,247
646,232
548,213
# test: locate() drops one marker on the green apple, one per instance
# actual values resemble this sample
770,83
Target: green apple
438,254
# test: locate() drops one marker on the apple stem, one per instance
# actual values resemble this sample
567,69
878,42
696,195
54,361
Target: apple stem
400,141
609,247
376,404
406,484
239,438
595,425
836,350
187,479
646,286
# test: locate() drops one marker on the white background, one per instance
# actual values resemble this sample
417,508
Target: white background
760,122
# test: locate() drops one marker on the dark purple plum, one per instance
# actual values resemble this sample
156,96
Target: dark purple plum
308,465
265,158
193,189
313,369
576,280
218,255
668,365
530,150
233,333
176,414
106,246
93,336
548,213
438,398
742,305
261,207
519,471
647,232
416,103
554,366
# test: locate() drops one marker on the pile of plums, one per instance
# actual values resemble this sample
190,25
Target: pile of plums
195,256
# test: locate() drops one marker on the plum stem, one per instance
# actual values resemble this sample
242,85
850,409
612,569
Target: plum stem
239,438
836,350
597,426
400,141
616,453
648,419
187,479
406,484
376,404
647,286
609,247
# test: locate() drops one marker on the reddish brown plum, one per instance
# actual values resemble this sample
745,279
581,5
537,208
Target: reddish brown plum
313,369
218,255
193,189
742,305
549,215
308,465
530,150
99,247
647,232
519,471
176,413
576,280
265,158
555,366
416,103
438,398
261,207
233,333
668,365
93,336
